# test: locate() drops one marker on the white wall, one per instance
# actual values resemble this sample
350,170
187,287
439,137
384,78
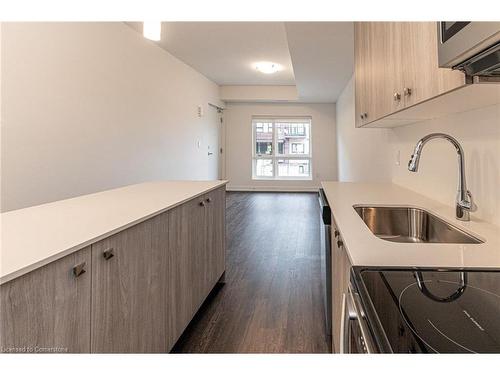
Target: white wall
363,154
478,132
238,134
93,106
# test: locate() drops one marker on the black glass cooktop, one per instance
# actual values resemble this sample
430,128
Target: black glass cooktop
422,311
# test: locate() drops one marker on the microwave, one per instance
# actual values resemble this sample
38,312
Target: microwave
473,47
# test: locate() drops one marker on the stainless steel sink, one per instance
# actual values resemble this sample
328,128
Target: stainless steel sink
411,225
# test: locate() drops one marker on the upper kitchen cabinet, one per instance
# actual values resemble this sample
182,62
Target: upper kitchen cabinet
396,67
378,77
421,76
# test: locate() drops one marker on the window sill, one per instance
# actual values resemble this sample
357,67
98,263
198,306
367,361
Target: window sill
281,178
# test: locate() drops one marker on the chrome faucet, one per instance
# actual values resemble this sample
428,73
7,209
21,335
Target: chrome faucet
464,202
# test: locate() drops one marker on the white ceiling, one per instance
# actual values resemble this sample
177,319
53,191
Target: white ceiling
323,57
225,51
317,57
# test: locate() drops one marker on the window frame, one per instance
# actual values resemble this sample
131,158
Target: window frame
274,156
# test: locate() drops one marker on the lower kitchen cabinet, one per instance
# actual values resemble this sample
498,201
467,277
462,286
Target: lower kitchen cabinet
196,256
185,245
215,236
341,267
132,292
48,309
129,283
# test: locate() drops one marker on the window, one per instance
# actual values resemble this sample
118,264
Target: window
281,149
263,138
297,148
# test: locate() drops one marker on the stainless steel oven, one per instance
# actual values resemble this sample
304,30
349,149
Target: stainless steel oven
473,47
355,330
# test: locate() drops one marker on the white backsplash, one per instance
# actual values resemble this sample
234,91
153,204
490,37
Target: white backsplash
478,132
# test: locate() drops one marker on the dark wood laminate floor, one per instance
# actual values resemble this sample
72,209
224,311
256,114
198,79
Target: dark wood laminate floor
272,301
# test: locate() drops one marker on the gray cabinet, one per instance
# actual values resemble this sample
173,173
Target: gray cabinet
341,267
216,234
132,292
129,283
185,245
48,309
196,256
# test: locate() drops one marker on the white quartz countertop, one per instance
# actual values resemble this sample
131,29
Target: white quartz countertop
35,236
365,249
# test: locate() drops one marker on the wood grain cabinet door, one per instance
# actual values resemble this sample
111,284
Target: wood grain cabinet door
48,309
216,235
129,290
422,77
419,61
196,256
186,242
383,69
361,74
337,290
395,67
341,267
378,77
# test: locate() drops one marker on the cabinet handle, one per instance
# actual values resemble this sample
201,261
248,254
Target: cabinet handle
397,96
108,253
202,203
79,269
407,91
209,200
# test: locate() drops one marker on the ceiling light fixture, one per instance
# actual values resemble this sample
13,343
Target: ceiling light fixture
151,30
268,67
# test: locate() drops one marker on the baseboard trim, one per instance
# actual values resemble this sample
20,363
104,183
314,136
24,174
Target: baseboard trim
285,189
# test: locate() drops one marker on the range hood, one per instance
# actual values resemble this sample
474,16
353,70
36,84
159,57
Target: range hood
472,47
484,64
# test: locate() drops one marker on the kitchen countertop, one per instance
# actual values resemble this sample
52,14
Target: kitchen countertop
35,236
365,249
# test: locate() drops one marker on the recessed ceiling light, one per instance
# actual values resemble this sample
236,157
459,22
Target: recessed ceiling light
268,67
151,30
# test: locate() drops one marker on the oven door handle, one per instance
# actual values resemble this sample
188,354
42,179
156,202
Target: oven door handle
348,314
352,311
344,334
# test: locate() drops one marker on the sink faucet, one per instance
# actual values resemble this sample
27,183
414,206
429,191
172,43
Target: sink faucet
464,202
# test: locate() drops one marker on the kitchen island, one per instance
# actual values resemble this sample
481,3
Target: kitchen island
123,270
